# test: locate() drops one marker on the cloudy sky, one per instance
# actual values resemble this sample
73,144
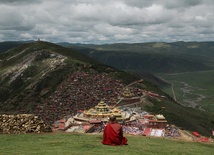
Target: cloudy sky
107,21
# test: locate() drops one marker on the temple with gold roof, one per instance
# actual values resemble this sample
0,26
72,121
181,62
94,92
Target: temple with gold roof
127,93
102,110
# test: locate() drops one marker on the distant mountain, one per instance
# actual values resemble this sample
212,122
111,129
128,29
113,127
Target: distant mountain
4,46
154,57
52,81
147,57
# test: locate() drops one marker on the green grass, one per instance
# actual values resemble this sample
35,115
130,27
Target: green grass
86,144
200,82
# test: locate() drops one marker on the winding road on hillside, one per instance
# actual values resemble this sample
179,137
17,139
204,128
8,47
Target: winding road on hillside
172,87
190,98
173,92
189,90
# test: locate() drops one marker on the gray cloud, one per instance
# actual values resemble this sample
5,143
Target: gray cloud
101,21
165,3
19,2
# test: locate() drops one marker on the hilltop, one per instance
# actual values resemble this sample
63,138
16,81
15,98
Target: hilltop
36,77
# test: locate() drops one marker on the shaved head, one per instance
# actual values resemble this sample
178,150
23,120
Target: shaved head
112,118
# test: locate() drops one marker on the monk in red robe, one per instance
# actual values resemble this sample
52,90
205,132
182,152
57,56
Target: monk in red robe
113,133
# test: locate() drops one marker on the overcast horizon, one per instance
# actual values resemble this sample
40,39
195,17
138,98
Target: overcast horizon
112,21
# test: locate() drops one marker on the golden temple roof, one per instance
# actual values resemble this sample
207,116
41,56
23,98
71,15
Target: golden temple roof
127,93
102,109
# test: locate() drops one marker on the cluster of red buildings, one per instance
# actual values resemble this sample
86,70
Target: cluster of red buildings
80,91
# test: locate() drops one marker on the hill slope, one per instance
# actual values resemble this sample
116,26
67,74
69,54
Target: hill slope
51,81
31,73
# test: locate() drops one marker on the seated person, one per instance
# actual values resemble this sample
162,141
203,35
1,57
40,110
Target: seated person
113,133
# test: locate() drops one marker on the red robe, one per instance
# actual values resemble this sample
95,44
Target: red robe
113,135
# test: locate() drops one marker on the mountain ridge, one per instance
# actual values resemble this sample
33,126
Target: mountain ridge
154,57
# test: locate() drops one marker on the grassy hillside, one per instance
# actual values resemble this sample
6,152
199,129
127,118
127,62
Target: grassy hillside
32,74
27,70
79,144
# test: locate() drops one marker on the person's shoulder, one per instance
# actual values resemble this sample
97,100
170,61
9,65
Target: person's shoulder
116,124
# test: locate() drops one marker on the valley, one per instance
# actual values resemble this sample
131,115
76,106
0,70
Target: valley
192,89
188,70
